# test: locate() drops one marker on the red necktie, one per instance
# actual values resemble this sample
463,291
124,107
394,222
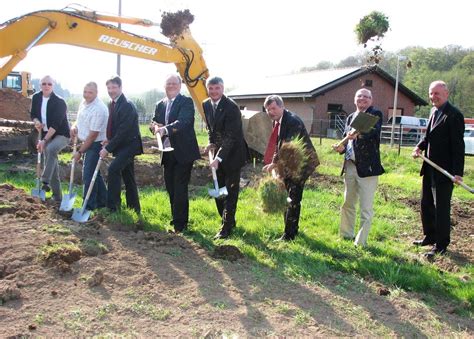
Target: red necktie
272,143
109,122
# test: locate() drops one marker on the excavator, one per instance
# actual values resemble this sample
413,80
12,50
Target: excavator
16,129
89,29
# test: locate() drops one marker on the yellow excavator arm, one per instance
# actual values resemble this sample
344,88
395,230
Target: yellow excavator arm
84,29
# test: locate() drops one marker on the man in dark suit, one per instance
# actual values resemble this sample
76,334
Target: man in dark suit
124,142
444,145
226,139
361,169
287,127
48,112
174,121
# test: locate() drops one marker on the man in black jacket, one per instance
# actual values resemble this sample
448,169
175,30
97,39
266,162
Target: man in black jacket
226,139
124,142
361,169
48,112
174,121
288,127
444,145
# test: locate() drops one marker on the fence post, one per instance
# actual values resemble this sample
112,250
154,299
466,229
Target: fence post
400,138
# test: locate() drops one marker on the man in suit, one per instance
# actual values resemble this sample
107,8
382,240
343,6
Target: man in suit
174,121
361,169
48,112
288,127
124,142
226,139
444,145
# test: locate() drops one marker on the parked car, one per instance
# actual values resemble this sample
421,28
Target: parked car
469,140
413,127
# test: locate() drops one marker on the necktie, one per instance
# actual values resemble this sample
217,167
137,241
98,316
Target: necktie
437,113
213,114
349,150
168,109
109,122
271,147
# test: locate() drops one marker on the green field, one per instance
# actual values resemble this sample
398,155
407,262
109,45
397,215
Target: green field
318,251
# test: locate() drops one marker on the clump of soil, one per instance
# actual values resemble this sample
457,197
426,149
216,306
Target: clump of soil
273,195
227,252
174,24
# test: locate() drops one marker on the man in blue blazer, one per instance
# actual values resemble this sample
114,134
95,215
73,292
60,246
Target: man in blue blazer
226,139
361,169
444,145
124,142
174,121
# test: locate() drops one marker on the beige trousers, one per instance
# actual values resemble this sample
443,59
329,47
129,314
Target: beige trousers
362,189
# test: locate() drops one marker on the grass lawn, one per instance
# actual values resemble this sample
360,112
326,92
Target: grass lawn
318,251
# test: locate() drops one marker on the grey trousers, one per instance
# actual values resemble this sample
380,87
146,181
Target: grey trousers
51,167
362,189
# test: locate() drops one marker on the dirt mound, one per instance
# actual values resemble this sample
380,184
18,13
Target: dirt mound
227,252
13,105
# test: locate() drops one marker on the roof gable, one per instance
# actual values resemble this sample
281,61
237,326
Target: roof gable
311,84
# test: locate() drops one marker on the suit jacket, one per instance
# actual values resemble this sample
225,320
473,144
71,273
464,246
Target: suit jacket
125,128
180,127
225,131
292,128
445,142
367,147
56,113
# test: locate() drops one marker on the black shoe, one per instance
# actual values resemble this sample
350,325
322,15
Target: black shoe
180,229
286,237
45,187
223,234
435,251
424,242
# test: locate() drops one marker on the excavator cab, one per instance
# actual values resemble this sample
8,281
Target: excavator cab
19,82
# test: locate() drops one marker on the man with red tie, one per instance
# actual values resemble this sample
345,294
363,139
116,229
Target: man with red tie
125,142
287,127
226,139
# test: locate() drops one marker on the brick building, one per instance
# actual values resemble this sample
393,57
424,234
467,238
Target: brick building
322,98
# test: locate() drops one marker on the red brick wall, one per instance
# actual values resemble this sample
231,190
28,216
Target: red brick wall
316,108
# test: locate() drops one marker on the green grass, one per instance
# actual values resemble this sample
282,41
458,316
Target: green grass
318,251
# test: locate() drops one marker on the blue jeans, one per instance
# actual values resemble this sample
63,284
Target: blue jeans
98,197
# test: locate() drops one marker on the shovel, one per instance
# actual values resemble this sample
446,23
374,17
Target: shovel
38,192
216,192
362,123
446,173
160,145
68,199
82,214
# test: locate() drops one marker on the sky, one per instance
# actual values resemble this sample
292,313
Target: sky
246,39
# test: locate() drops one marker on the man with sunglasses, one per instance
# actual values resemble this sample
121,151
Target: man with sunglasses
48,112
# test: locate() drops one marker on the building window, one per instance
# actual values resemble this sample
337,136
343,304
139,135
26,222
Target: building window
334,108
368,83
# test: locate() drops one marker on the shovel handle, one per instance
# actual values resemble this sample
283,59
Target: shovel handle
446,173
160,142
73,163
214,174
91,185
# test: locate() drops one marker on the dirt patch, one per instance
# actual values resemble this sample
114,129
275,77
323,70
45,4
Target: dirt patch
148,284
460,250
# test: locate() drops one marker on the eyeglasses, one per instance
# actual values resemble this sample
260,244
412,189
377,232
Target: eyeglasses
46,84
363,96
